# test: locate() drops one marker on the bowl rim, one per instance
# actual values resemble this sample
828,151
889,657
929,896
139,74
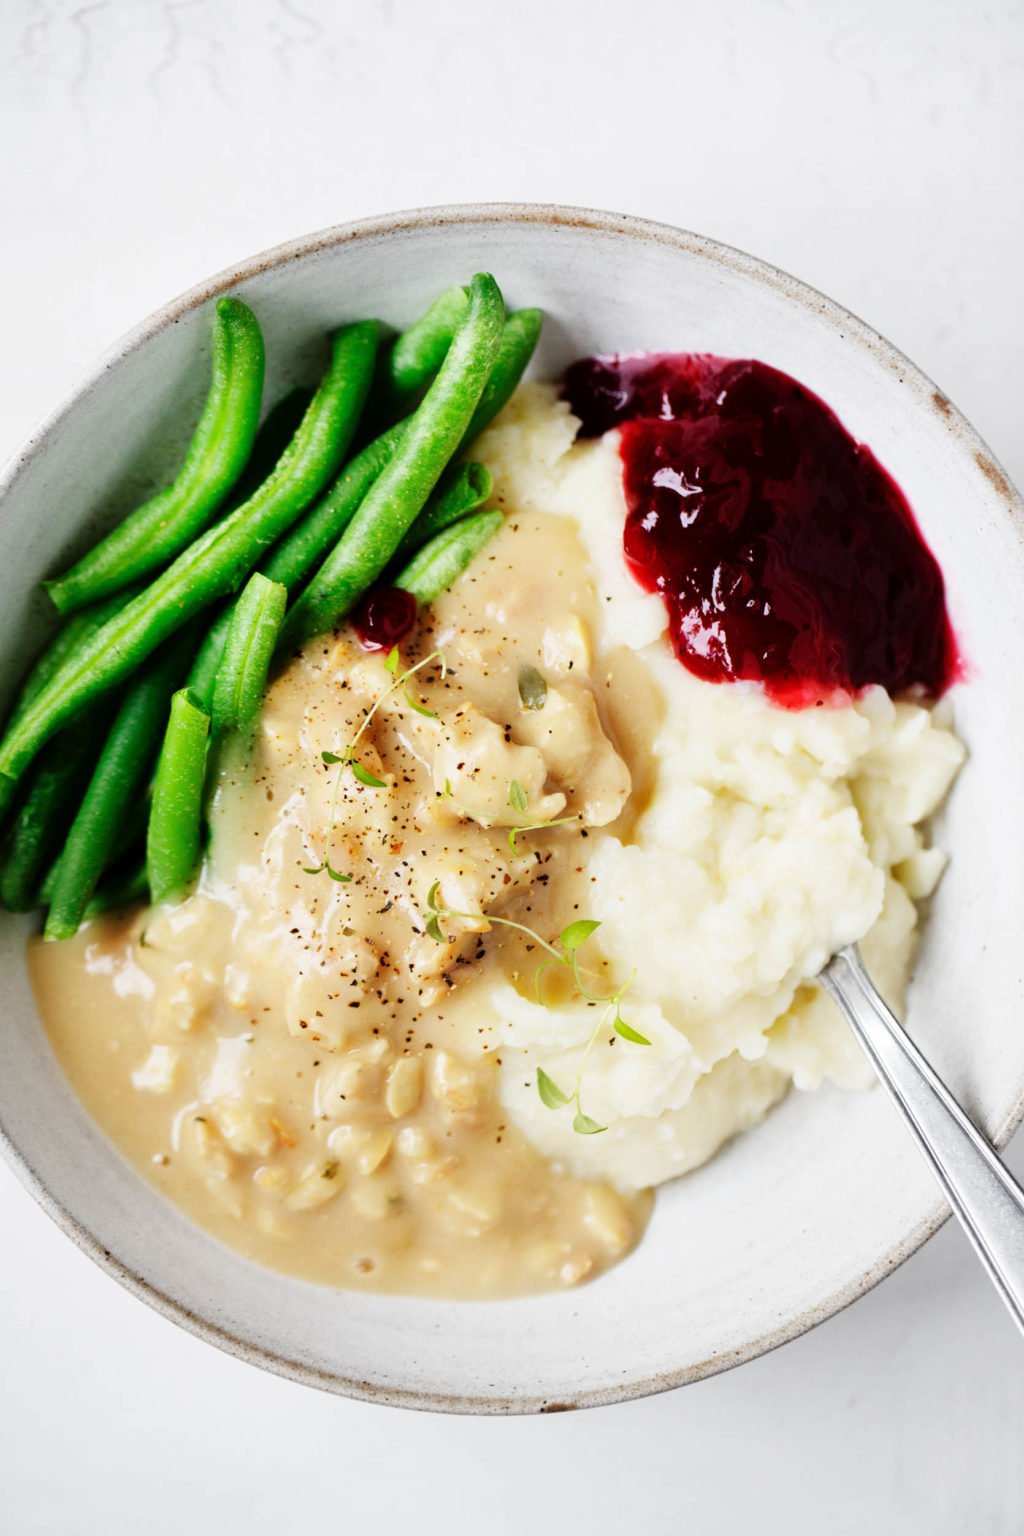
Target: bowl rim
552,216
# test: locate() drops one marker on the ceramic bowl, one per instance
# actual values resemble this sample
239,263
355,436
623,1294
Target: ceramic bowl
791,1221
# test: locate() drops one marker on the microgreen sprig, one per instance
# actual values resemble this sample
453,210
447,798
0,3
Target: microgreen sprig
519,801
327,868
439,914
399,680
348,759
562,953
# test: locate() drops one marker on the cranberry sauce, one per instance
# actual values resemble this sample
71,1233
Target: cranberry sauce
383,618
784,551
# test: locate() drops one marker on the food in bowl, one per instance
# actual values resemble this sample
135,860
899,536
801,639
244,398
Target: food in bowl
520,871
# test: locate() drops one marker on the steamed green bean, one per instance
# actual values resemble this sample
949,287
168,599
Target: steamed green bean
276,431
63,645
174,840
161,528
461,490
41,824
417,354
298,553
432,435
118,781
248,651
441,562
519,338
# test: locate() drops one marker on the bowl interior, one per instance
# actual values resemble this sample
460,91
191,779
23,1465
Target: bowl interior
796,1217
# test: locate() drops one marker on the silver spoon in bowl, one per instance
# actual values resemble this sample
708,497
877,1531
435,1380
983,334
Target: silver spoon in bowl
984,1195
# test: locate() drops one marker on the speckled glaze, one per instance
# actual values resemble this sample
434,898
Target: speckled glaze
794,1220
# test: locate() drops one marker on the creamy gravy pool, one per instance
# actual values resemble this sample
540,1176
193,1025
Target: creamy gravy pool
287,1057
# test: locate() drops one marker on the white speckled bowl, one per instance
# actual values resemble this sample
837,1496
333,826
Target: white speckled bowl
796,1218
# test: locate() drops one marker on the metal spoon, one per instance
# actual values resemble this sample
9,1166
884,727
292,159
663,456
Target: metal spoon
987,1199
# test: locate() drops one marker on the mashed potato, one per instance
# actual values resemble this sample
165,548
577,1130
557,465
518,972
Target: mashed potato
770,839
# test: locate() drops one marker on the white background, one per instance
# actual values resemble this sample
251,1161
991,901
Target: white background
876,150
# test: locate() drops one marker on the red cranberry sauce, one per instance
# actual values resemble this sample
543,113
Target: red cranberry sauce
783,550
383,618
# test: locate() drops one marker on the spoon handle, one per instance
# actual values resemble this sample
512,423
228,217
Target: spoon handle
986,1198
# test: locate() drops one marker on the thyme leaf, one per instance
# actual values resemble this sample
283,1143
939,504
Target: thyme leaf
577,933
550,1093
421,709
533,689
327,868
365,776
628,1032
537,826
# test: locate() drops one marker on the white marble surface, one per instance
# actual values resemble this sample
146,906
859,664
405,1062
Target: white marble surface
872,148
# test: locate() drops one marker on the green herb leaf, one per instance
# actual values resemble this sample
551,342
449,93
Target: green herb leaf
391,662
366,777
432,896
549,1091
517,797
584,1126
330,758
433,928
533,690
325,868
538,826
538,977
628,1032
421,709
577,933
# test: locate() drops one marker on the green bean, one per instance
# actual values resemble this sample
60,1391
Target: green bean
130,838
256,620
40,825
460,491
418,353
158,530
214,565
125,885
276,431
173,844
443,560
292,560
118,780
522,329
202,680
123,888
407,363
131,834
309,541
431,436
63,644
